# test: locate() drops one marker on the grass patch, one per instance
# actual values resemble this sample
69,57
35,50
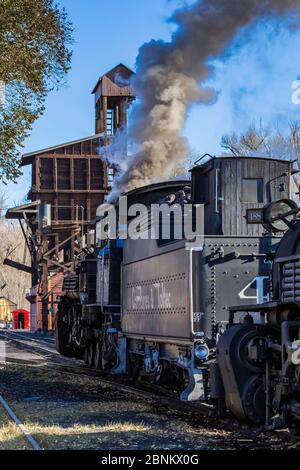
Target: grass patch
62,411
86,425
91,429
11,437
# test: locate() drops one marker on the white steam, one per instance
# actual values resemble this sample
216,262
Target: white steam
170,76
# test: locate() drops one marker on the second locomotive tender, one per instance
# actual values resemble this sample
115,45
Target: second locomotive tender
151,307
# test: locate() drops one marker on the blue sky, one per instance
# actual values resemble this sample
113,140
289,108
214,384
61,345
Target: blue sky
254,81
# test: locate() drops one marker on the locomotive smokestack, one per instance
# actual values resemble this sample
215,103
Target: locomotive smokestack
170,77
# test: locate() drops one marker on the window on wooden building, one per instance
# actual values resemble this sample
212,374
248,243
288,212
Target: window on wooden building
253,190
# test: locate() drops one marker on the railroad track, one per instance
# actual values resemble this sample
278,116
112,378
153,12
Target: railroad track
41,344
159,397
68,366
33,443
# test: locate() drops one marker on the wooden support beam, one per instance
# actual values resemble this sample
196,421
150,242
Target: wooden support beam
25,236
67,191
104,114
18,266
105,174
117,117
55,209
64,266
123,113
38,174
55,176
56,238
72,174
44,285
70,156
73,210
88,175
89,211
74,234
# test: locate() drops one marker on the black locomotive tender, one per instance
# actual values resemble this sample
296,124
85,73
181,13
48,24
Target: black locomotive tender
154,309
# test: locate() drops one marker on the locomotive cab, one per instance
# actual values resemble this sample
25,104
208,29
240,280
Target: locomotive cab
230,187
259,363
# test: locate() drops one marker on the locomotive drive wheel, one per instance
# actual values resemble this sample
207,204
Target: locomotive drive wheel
254,399
241,359
251,339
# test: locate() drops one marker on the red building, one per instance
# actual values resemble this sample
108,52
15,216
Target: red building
20,319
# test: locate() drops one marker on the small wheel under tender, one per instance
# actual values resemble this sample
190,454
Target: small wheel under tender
86,355
91,355
98,356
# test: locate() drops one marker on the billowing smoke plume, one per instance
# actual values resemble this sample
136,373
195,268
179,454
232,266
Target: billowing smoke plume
170,78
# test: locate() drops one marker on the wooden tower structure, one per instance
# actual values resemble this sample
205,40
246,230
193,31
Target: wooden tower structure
73,179
70,180
113,95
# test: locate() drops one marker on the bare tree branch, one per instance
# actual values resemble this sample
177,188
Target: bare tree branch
268,141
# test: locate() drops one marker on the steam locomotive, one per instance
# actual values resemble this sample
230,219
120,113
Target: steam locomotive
154,309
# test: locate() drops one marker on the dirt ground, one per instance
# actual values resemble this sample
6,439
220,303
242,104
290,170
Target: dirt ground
70,412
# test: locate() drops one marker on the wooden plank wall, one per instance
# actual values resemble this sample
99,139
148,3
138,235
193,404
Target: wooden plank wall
233,205
71,176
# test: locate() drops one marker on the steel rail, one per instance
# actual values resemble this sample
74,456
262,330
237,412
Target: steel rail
19,424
